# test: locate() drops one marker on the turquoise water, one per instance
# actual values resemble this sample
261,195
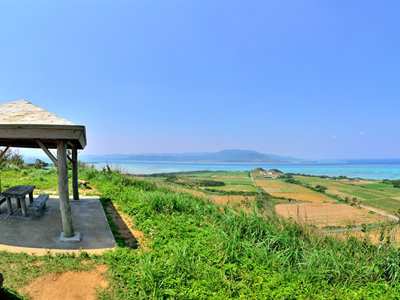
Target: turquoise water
369,169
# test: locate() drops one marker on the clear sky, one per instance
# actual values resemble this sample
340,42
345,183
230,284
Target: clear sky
311,79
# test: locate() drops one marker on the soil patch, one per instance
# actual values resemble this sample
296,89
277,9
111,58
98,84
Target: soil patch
67,286
228,200
310,197
123,222
327,214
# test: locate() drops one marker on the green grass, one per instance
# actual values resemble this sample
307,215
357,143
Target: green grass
42,179
197,251
386,204
20,269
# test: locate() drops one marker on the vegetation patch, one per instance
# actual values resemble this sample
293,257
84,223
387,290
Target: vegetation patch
201,250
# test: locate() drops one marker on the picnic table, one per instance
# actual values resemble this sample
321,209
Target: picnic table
19,192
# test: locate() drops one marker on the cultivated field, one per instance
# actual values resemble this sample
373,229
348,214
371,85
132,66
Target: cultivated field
279,188
236,187
371,193
231,200
328,214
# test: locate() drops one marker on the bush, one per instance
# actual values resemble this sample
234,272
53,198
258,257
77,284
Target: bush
211,183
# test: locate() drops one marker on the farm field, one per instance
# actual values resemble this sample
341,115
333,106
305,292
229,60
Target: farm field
279,188
218,174
231,200
236,180
328,214
381,234
236,187
371,193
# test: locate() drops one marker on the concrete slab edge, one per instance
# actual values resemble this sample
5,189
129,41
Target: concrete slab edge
42,251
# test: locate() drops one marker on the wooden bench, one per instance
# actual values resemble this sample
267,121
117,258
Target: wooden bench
39,203
83,182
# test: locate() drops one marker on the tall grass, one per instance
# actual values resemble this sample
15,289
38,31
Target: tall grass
198,251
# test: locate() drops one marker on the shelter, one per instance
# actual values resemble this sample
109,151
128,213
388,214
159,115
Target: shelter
24,125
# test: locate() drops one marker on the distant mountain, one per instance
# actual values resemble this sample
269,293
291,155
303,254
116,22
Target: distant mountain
233,155
107,156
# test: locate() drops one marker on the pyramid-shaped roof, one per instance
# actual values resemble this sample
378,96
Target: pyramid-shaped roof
24,112
23,123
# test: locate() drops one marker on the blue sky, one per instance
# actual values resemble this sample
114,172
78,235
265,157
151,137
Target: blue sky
311,79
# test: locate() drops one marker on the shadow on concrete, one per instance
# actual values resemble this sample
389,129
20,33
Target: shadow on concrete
88,219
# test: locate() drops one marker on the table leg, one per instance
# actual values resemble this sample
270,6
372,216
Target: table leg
9,207
18,203
23,206
30,197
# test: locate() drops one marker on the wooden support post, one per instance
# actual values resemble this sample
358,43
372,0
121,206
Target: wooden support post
75,173
4,151
49,154
63,189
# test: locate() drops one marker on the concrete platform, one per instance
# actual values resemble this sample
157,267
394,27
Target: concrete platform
37,235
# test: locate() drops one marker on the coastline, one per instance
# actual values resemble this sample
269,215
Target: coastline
365,171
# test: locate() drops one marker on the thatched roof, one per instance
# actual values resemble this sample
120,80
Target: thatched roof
24,112
22,123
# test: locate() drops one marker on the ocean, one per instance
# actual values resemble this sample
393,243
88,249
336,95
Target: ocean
362,168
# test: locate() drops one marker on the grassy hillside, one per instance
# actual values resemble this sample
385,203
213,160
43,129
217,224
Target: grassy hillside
199,250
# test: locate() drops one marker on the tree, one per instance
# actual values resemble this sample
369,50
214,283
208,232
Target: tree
396,183
11,157
321,188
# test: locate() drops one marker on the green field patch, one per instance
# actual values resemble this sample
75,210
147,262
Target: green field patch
233,181
386,204
234,174
206,174
379,193
238,187
375,186
288,189
355,193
